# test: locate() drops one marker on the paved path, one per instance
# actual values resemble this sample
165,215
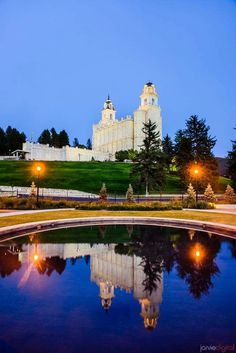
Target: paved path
227,209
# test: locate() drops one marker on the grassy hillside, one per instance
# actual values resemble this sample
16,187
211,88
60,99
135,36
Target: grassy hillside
84,176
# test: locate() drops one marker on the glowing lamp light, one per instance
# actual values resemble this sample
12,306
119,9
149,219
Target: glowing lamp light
196,171
197,253
36,257
38,168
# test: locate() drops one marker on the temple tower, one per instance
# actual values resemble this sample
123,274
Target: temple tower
148,109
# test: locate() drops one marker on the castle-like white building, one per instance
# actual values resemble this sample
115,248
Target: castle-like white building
109,135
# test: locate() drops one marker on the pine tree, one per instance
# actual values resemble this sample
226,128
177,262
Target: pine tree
45,138
89,144
229,195
14,139
194,144
63,139
75,142
3,143
209,195
168,149
103,193
130,194
149,168
232,164
54,138
191,196
33,190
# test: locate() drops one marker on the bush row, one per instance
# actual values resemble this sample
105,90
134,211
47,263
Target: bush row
30,204
142,206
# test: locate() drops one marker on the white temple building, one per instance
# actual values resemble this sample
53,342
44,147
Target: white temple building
109,135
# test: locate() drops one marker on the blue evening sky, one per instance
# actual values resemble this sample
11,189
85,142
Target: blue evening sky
60,58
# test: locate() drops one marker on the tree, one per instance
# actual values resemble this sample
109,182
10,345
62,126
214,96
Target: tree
3,142
209,194
33,189
63,139
89,144
54,138
130,194
232,163
229,195
168,149
75,142
121,155
149,167
103,193
45,138
191,196
14,139
194,144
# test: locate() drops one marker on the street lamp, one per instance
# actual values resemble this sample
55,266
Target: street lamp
196,171
38,170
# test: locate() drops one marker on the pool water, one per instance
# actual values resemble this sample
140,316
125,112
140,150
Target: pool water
117,289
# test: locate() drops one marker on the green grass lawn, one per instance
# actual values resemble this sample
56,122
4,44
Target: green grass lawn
84,176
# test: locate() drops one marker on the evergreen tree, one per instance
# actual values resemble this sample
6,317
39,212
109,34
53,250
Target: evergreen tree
54,138
209,195
191,196
75,142
63,139
194,144
33,189
130,194
232,164
45,138
3,143
14,139
89,144
168,149
229,195
149,166
103,193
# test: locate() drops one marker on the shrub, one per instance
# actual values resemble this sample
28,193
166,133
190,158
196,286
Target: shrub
204,205
229,195
103,193
209,195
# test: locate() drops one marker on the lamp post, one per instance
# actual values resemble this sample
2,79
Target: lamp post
196,174
38,170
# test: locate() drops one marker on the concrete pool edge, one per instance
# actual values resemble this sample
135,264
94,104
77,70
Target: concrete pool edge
41,226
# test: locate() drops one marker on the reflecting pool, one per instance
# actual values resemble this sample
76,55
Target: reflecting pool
117,289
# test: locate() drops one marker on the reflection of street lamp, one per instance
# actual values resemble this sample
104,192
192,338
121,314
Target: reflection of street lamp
198,253
38,170
36,257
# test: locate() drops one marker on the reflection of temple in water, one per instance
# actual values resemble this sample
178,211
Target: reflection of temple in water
109,270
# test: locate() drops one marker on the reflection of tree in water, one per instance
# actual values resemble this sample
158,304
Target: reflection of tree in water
154,247
197,272
9,261
51,264
161,248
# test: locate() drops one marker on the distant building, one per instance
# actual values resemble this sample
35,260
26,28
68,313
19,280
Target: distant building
109,135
